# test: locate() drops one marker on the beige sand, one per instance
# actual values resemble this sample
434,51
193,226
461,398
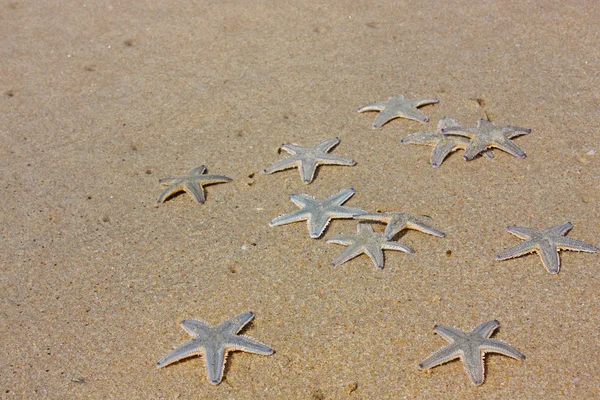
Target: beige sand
100,99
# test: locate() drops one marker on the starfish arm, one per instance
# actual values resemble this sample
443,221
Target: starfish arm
441,151
293,148
335,160
397,246
196,328
393,227
327,145
485,329
488,154
381,217
215,358
168,193
169,181
347,254
446,123
473,362
549,254
425,228
498,346
235,324
211,179
423,138
517,251
575,245
346,212
342,238
422,102
514,131
195,190
286,163
468,131
412,113
302,200
375,253
383,117
441,356
372,107
562,229
523,232
341,196
294,216
198,170
187,349
249,345
307,170
448,332
317,224
510,147
476,146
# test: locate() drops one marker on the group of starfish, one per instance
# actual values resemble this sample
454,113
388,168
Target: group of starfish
214,342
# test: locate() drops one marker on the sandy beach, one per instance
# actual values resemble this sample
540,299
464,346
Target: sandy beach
101,99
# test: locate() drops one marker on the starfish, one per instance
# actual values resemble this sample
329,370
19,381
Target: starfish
214,343
486,135
398,221
396,107
190,183
318,213
442,145
307,159
546,243
470,347
368,242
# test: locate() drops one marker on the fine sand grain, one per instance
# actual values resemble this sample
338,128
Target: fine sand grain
100,99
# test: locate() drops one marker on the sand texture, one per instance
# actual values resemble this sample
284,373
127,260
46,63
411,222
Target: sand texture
101,99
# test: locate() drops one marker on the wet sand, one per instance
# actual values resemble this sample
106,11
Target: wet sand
98,100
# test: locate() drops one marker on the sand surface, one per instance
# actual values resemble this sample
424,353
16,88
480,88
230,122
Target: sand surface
100,99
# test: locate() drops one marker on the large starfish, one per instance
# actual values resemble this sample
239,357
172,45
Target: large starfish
442,145
396,106
190,183
308,158
486,135
318,213
214,343
398,221
470,347
546,243
368,242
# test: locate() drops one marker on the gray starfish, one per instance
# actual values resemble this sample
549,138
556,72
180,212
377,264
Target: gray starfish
214,343
190,183
470,347
398,221
307,159
318,213
546,243
442,145
397,106
486,135
368,242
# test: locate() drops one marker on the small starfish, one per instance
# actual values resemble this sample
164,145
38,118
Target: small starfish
486,135
470,347
398,221
442,145
307,159
318,213
546,243
214,343
368,242
190,183
396,107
